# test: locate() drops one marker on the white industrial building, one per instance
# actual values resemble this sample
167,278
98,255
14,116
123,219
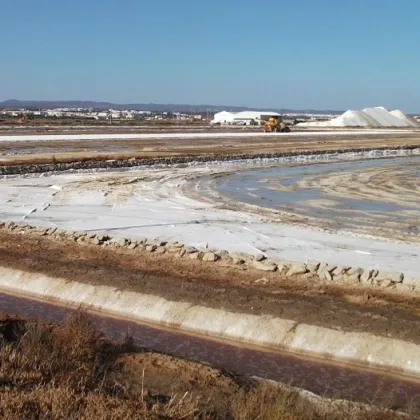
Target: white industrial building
243,117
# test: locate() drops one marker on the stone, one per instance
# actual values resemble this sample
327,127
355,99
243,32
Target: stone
296,269
312,266
355,271
171,246
339,277
102,238
182,252
150,248
331,268
160,250
133,245
94,241
365,278
190,249
222,253
209,257
118,241
236,260
282,267
10,225
340,269
262,280
246,257
260,257
325,275
226,261
390,275
174,249
264,265
196,255
322,267
385,283
76,234
308,276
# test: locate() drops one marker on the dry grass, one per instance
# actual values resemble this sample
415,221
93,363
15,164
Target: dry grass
65,372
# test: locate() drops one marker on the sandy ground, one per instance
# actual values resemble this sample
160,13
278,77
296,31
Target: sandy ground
156,203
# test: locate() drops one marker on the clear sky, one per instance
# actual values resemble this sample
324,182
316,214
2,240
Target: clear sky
301,54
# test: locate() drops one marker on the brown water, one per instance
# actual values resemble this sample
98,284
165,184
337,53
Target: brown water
334,380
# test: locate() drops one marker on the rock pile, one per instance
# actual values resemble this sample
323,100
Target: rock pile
312,270
184,160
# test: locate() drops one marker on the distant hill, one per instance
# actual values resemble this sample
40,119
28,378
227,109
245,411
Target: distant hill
13,103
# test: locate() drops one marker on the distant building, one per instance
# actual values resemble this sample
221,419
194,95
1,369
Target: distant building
243,117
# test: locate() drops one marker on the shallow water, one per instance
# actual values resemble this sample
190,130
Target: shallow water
335,380
320,191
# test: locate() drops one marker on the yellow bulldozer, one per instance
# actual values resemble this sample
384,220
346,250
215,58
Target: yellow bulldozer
275,125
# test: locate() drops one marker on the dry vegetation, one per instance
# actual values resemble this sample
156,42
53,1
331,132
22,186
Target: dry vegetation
72,372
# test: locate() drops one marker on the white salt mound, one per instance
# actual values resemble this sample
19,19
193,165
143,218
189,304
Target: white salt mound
409,120
353,119
384,117
368,117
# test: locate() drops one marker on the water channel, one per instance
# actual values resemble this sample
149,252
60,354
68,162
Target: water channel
330,379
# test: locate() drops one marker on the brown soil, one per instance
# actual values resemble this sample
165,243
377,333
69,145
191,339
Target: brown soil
37,152
35,374
70,371
345,307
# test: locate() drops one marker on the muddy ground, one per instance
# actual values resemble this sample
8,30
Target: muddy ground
307,300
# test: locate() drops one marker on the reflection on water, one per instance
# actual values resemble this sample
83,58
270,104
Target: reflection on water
368,192
332,380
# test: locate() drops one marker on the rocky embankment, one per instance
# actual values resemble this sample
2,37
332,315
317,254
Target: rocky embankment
312,271
19,169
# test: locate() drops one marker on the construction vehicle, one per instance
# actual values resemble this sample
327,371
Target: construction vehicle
275,125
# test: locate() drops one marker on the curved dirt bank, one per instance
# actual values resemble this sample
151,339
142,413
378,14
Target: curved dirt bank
153,203
360,348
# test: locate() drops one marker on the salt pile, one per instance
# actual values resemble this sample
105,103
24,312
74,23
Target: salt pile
368,117
409,120
384,117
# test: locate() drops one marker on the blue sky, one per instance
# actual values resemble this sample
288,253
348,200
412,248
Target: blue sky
319,54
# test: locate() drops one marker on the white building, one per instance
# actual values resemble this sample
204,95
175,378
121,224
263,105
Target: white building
243,117
222,117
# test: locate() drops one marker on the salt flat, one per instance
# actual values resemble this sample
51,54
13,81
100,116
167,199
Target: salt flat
152,203
187,135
